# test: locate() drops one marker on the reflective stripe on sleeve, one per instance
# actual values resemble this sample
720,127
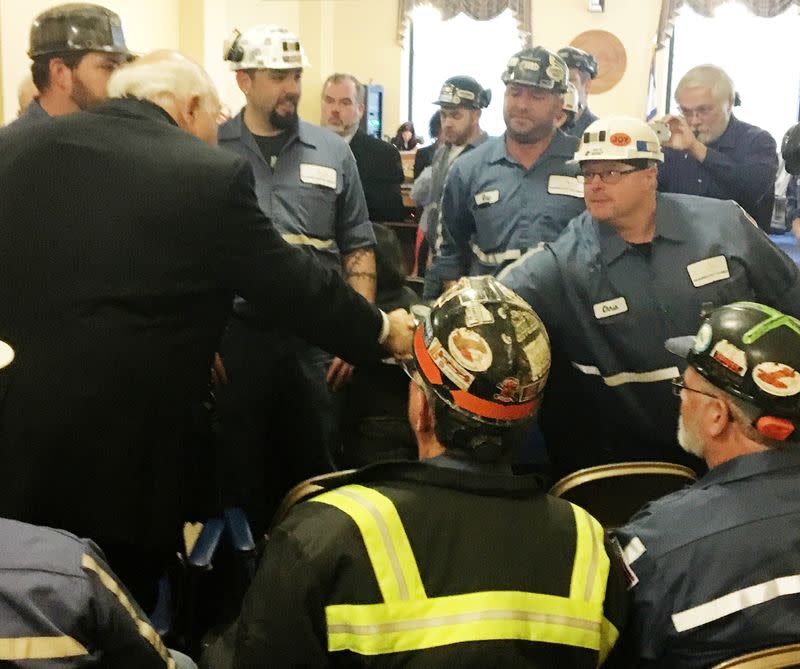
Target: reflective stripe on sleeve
305,240
143,626
665,374
735,601
384,537
40,648
374,629
633,551
502,256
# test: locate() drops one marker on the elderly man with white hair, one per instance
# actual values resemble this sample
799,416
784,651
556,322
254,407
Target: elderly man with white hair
124,240
714,154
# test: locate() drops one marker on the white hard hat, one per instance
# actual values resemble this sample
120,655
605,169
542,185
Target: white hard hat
619,138
6,355
264,47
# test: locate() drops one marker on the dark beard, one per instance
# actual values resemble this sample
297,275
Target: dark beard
82,97
283,122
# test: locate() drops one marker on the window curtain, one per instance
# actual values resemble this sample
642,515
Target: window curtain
763,8
480,10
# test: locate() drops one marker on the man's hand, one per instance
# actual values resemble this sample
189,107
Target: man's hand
683,138
339,373
401,333
218,373
796,229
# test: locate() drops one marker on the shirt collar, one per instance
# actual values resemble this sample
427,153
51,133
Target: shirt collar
462,464
670,225
560,146
745,466
236,129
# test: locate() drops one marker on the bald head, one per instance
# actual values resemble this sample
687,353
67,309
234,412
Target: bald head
176,84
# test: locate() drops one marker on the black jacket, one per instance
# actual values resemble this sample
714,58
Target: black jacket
122,241
381,174
469,532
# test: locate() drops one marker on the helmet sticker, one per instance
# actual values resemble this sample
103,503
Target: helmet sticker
730,357
524,324
775,378
449,367
538,353
508,388
556,72
703,338
476,314
620,139
531,65
506,338
470,349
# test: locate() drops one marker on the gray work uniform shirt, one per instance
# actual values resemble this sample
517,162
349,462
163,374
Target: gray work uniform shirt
493,209
313,195
608,308
717,565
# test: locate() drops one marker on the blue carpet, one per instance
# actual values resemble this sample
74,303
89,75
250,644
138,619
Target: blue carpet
787,243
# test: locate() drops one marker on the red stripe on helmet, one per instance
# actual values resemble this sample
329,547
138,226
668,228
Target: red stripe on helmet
489,409
426,364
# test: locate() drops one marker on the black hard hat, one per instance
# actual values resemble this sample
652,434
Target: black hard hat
579,59
790,149
537,67
77,27
752,352
484,352
463,91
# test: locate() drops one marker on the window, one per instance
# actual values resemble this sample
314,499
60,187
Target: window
461,45
759,54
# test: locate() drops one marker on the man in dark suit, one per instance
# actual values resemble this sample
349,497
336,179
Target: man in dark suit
123,241
378,162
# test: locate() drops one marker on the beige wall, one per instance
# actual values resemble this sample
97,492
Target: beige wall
357,36
147,24
634,22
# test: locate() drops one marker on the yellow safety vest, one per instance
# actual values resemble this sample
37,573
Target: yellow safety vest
407,619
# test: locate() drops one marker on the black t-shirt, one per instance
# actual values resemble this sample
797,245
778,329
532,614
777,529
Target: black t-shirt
271,146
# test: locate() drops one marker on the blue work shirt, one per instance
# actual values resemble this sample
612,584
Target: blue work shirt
608,309
718,564
740,165
34,113
313,196
580,125
63,607
493,209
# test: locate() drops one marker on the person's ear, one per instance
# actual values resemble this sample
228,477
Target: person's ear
244,81
716,417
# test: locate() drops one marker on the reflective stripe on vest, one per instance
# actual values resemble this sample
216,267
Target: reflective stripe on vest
16,649
407,619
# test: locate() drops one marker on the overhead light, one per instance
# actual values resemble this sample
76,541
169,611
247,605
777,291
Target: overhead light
597,5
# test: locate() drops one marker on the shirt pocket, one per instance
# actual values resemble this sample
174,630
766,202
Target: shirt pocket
317,205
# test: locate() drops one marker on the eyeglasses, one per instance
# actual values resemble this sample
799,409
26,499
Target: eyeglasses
679,384
611,177
700,112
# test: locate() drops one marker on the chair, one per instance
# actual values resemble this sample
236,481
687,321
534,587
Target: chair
306,489
769,658
613,493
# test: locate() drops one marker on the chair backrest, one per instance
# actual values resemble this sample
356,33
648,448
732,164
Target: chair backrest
305,489
613,493
769,658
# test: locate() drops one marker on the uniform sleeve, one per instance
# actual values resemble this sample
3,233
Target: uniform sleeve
353,227
123,633
651,602
282,619
750,171
457,225
421,190
774,276
535,277
304,298
792,205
